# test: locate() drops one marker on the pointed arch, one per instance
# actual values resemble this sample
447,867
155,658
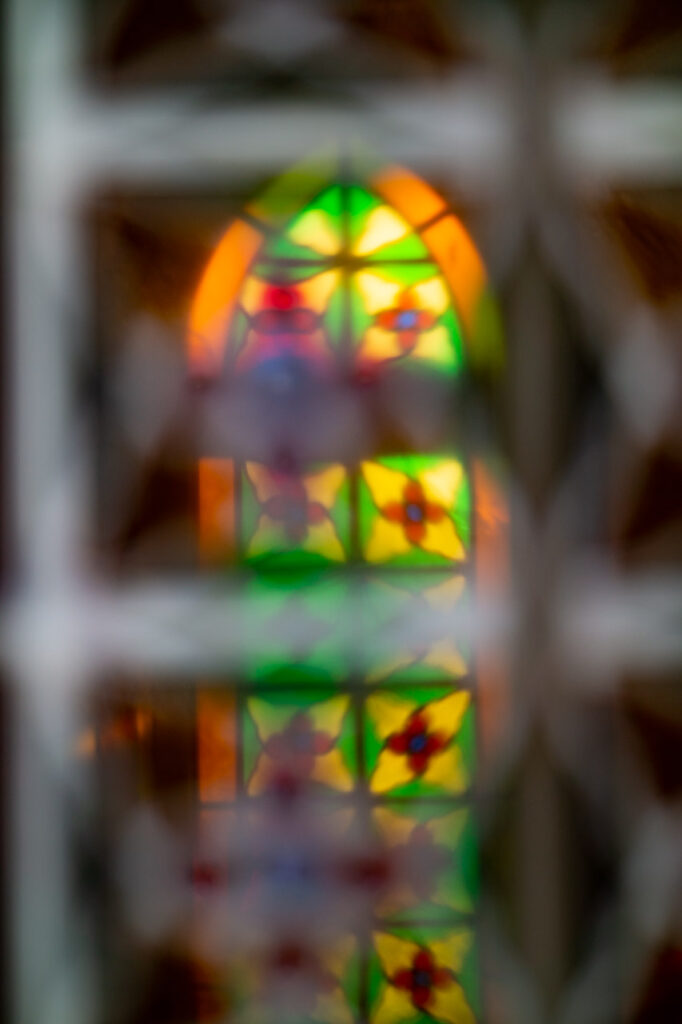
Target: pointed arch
377,262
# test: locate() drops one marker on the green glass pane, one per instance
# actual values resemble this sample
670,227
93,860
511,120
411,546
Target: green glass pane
426,937
402,522
436,849
295,628
410,247
487,344
250,745
360,203
391,603
330,201
393,775
282,248
391,235
299,719
406,274
333,318
375,289
314,232
361,319
239,331
286,273
458,357
294,531
462,515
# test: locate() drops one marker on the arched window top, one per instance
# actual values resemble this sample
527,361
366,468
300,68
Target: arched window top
329,265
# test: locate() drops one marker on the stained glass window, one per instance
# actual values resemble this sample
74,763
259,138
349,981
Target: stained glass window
338,766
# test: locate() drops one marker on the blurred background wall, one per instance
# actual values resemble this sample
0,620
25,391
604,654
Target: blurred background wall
136,131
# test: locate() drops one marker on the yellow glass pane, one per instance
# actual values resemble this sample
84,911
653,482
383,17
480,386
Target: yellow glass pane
391,770
394,1007
322,539
333,1008
253,294
316,291
432,295
377,293
215,298
316,230
411,196
262,774
446,656
434,344
388,713
446,715
447,771
395,827
459,260
395,954
324,486
267,535
386,485
337,956
330,769
383,226
451,951
268,718
441,539
449,828
441,482
328,715
379,344
216,510
386,540
264,483
448,1004
446,593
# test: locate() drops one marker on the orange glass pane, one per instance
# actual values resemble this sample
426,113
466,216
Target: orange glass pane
491,554
216,295
461,264
411,196
216,511
217,745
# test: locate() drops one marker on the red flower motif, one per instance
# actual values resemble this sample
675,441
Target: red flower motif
422,978
283,313
413,512
293,509
284,327
297,745
417,743
406,320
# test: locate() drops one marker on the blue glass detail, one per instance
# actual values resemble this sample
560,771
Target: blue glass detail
406,320
417,744
283,375
414,512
